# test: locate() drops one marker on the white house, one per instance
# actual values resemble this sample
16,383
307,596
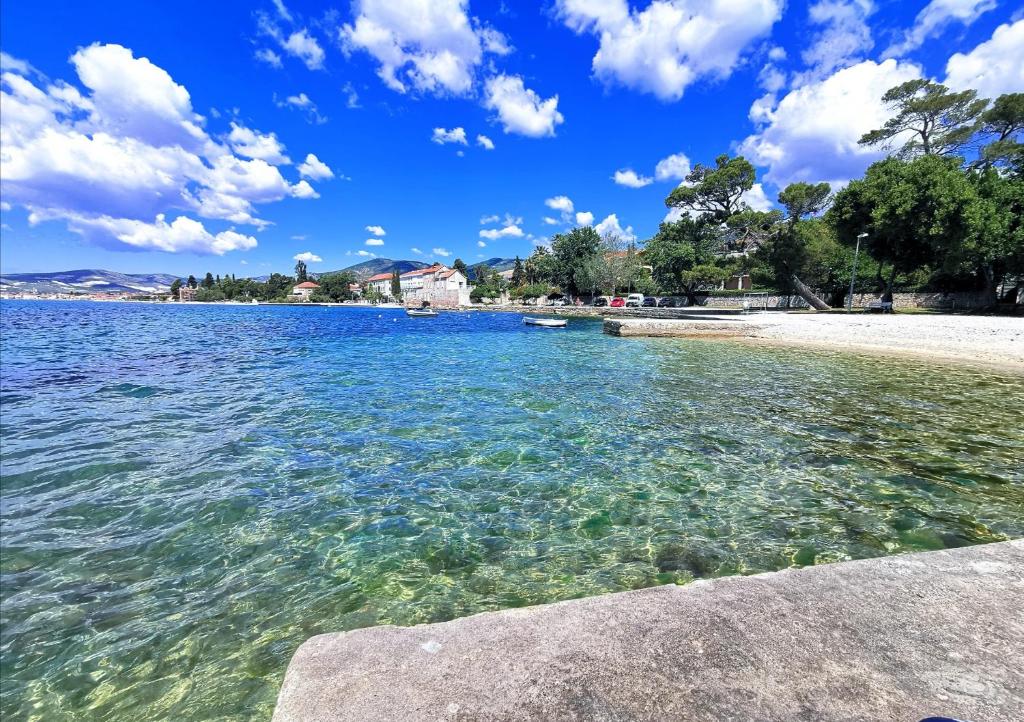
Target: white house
381,283
304,290
437,284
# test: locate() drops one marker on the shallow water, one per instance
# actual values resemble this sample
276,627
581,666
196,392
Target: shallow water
189,492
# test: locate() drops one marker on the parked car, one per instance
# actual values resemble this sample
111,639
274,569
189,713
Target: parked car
649,302
560,301
666,302
601,301
618,302
634,300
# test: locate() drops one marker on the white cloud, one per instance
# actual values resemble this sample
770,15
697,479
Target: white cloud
129,149
432,45
481,244
299,238
994,67
757,199
610,227
670,44
306,48
307,257
5,206
374,242
484,142
507,231
376,230
251,144
845,38
548,220
560,203
417,251
304,190
484,220
935,18
351,96
777,54
629,178
268,56
282,10
812,134
366,254
443,252
673,167
584,218
520,109
305,104
455,135
315,168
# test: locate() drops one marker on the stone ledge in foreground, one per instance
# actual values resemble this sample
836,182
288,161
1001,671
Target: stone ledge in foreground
678,328
893,638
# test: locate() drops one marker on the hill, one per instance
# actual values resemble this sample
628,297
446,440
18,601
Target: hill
495,264
364,270
88,280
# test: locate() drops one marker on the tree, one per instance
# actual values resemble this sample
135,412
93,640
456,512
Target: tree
682,256
572,251
541,266
788,253
481,273
1004,124
715,191
915,213
208,281
461,267
939,122
334,288
300,272
518,274
192,283
175,287
396,285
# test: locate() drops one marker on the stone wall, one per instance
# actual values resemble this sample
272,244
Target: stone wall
945,301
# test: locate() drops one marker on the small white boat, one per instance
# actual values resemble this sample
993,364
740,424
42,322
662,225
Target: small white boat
421,312
545,322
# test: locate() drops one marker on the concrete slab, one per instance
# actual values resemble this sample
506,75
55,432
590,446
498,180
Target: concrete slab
895,638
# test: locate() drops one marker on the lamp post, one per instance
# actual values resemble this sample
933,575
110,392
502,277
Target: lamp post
853,274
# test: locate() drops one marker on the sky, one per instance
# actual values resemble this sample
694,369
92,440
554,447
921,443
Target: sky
186,137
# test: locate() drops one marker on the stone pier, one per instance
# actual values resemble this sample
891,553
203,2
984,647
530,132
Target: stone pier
894,638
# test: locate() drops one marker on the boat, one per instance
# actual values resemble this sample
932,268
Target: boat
545,322
421,312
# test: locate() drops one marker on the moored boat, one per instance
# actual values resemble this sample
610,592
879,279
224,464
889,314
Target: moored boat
421,312
545,322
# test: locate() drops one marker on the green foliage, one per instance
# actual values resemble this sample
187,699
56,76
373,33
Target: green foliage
682,256
716,191
175,285
941,122
208,281
461,267
334,288
210,294
531,290
1003,124
192,283
300,272
518,274
396,285
541,266
572,252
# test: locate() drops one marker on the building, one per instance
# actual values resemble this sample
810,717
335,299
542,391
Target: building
739,282
437,285
304,290
380,283
187,293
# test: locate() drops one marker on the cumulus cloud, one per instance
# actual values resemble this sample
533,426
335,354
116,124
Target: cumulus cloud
376,230
670,44
508,231
520,109
432,46
610,227
307,257
303,103
481,244
935,18
629,178
484,142
844,38
366,254
811,134
484,220
673,167
128,150
548,220
562,204
584,218
304,190
455,135
994,67
251,144
374,242
756,198
306,48
314,168
443,252
417,251
268,56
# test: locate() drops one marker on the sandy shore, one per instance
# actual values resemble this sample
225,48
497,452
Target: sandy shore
987,341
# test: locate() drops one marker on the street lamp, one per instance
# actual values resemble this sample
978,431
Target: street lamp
853,274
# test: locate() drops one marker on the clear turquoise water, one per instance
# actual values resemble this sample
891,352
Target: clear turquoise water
190,492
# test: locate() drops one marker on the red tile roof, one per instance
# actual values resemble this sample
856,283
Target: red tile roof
423,271
379,277
308,284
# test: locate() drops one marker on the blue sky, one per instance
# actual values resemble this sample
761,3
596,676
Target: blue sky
185,137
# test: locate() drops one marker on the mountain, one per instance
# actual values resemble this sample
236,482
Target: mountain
364,270
495,264
87,281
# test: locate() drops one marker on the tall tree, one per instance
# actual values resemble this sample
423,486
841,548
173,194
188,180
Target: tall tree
396,285
175,287
208,280
715,191
300,272
1003,124
192,283
937,121
461,267
682,256
572,251
518,274
790,252
541,266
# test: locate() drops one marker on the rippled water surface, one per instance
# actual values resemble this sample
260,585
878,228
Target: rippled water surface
190,492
